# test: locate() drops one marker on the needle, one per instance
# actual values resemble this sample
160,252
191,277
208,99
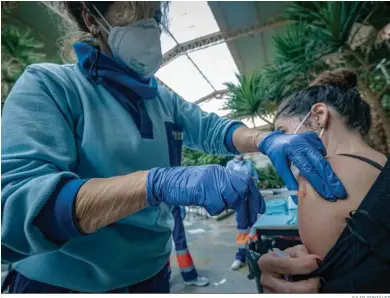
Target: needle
271,194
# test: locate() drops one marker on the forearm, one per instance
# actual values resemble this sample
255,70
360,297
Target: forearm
247,139
103,201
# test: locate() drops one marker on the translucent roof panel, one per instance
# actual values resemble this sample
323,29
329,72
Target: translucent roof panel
167,42
190,19
217,64
209,69
182,77
214,106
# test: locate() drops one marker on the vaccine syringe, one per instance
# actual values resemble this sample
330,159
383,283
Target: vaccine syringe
280,193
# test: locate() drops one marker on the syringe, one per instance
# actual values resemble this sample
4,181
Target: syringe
271,194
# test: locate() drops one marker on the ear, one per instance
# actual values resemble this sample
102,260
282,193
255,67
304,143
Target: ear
320,115
90,22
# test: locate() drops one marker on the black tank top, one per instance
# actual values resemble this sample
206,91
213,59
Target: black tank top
359,262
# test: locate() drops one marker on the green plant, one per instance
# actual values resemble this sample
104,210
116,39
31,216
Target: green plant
269,178
379,83
196,158
329,35
295,64
323,36
246,99
18,49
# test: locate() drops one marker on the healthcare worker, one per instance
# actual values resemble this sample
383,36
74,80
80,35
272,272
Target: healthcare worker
91,154
245,216
183,255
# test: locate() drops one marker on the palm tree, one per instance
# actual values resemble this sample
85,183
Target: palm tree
246,99
328,35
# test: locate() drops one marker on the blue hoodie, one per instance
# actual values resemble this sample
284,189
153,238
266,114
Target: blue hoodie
61,127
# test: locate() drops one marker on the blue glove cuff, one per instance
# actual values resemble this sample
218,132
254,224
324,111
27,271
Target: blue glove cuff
150,183
266,143
229,138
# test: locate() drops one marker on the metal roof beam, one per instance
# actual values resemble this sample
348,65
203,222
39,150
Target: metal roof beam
215,94
218,94
217,38
163,84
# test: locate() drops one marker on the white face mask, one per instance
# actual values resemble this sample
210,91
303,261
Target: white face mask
136,45
293,168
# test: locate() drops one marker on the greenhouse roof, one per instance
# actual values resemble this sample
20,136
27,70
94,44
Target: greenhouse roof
201,72
198,75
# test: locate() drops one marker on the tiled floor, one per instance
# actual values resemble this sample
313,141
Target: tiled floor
212,245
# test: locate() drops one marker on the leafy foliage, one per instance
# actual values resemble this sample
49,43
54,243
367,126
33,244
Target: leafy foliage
18,49
331,21
269,178
195,158
247,98
379,83
323,36
295,65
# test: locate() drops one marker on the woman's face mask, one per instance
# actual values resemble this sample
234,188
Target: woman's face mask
136,45
303,121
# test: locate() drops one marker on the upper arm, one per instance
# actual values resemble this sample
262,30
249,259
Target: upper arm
322,222
203,131
36,124
38,151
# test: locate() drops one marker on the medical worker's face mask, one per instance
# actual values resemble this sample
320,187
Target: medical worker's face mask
137,45
293,168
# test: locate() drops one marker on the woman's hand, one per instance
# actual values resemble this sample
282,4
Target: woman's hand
299,262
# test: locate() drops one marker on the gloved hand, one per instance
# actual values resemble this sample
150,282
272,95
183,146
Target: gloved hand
306,151
212,187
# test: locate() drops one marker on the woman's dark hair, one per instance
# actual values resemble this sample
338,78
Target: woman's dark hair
335,88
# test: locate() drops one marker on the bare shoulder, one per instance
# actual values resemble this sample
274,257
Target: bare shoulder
356,175
344,165
321,222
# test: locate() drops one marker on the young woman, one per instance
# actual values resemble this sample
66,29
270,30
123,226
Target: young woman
90,160
352,236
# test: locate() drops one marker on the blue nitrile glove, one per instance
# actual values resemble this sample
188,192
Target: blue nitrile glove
212,187
306,151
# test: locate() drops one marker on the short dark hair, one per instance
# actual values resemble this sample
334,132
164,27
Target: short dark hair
338,89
